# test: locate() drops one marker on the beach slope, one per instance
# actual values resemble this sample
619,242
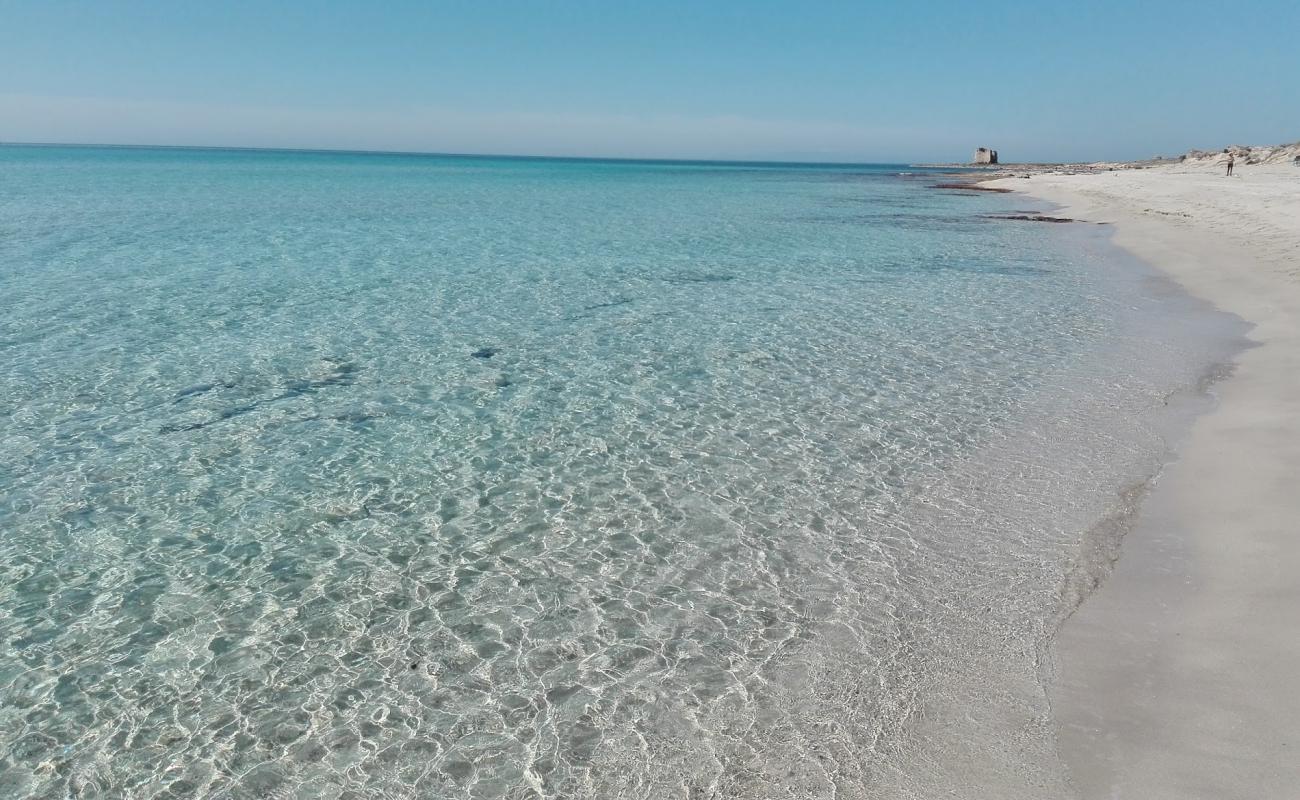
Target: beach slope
1177,679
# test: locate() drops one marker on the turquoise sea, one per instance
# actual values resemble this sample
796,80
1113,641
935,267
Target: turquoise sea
332,475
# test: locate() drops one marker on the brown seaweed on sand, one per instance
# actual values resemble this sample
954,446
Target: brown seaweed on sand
970,187
1027,217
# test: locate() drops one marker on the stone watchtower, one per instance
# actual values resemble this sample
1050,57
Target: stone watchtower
983,155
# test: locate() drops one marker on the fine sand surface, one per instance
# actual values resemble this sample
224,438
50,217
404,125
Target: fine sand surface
1180,677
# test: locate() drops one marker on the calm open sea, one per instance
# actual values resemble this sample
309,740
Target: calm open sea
355,475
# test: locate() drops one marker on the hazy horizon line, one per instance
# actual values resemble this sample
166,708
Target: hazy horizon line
449,154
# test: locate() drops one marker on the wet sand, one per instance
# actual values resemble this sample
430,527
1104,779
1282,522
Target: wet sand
1178,677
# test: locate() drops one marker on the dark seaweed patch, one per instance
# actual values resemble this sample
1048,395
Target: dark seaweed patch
193,426
1027,217
622,301
970,187
349,417
583,314
200,388
193,390
699,277
343,373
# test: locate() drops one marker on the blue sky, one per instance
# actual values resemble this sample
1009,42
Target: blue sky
867,81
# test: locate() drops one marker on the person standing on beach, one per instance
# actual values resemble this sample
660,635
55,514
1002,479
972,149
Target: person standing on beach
1231,160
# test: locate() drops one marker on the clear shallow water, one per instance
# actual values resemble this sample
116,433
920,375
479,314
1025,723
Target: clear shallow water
331,475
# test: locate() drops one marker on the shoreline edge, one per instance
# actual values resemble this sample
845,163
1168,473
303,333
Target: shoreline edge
1175,678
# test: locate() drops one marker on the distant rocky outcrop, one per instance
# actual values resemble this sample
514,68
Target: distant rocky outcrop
984,155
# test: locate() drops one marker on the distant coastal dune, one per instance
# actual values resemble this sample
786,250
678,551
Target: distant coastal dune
1277,154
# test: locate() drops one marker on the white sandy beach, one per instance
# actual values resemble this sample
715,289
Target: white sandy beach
1178,678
